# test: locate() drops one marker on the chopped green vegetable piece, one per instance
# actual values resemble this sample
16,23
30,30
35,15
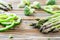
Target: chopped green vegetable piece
10,6
10,36
36,5
51,2
6,5
21,5
26,2
28,10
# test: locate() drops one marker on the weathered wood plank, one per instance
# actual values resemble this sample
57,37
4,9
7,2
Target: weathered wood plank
24,31
38,14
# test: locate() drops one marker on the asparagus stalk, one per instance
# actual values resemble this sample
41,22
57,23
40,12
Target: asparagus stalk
45,21
56,27
50,26
40,23
8,6
52,20
53,16
3,8
49,23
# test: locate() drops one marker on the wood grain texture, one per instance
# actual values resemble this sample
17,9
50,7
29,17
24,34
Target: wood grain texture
24,31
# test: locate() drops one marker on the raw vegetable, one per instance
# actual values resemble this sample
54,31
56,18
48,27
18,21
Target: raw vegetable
9,21
50,24
23,3
28,10
52,9
11,36
36,5
10,6
3,8
28,7
7,6
26,2
51,2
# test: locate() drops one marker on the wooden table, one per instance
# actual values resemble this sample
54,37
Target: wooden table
24,31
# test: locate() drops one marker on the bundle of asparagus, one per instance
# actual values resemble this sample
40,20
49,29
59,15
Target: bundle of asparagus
5,6
50,24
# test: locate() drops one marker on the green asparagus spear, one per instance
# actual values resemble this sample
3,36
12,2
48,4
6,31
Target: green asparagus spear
50,23
8,6
40,23
47,20
53,16
51,29
3,8
47,27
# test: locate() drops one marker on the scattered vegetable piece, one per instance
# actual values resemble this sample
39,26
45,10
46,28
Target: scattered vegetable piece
51,2
36,5
26,2
28,7
50,24
28,10
5,6
10,36
23,3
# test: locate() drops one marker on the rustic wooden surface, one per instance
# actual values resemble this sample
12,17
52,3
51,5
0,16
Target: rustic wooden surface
24,31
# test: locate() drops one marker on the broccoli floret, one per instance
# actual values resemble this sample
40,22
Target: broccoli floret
51,2
28,10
